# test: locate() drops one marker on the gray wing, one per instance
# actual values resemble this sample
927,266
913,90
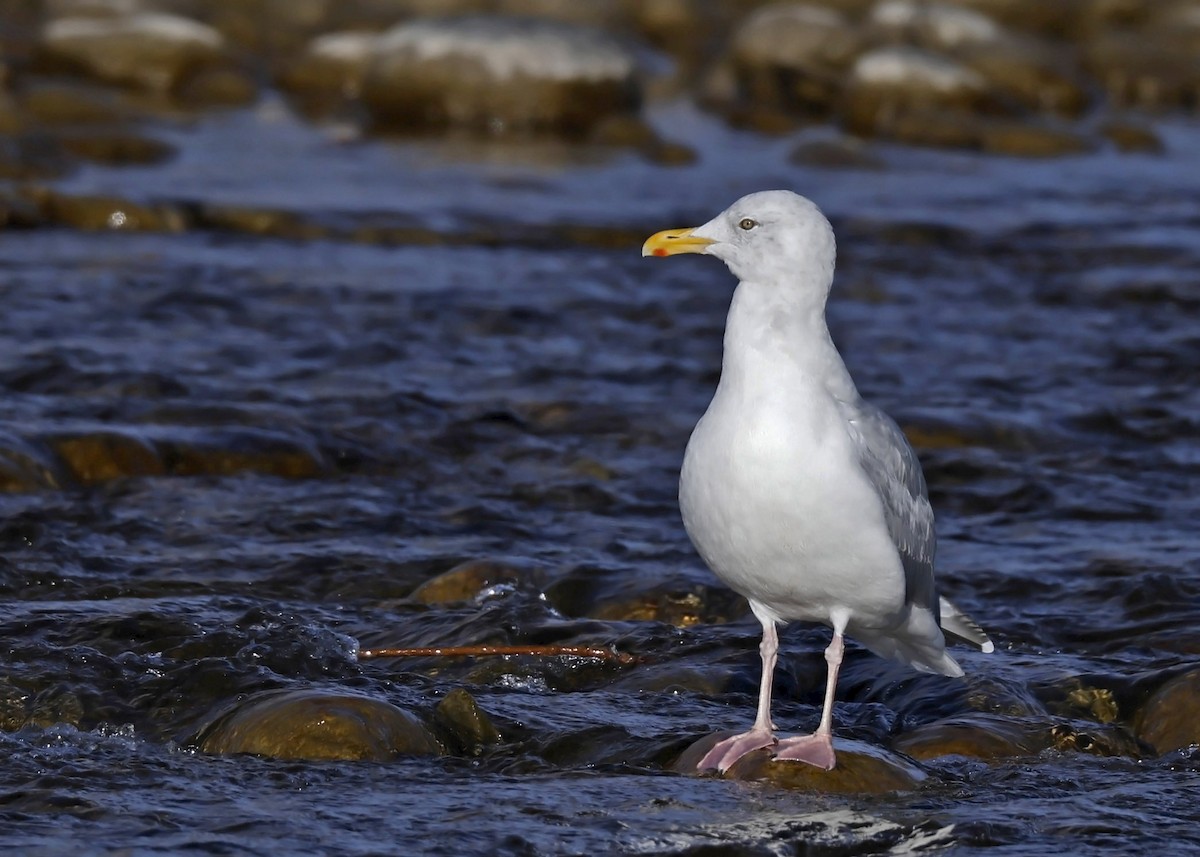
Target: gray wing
894,470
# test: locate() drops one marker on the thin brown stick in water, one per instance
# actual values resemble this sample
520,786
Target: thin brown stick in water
481,651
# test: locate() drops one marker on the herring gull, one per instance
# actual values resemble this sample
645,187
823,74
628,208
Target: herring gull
798,494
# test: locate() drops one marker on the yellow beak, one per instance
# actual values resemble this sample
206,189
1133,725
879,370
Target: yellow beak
672,241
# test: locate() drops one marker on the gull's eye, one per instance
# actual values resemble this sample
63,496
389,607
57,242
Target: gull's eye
748,224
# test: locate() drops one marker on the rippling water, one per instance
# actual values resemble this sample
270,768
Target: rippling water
321,426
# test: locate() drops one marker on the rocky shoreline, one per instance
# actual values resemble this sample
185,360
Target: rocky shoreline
79,79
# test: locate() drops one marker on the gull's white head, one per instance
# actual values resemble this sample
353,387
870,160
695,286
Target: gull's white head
773,238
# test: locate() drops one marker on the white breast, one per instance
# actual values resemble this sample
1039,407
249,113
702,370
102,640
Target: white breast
774,501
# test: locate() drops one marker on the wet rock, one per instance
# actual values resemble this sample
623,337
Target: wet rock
25,467
70,103
254,220
149,51
329,74
101,456
1029,140
101,212
1099,703
1053,19
467,581
1131,137
632,132
861,769
709,681
217,88
231,450
788,58
597,594
116,148
1097,740
91,8
1170,718
1034,75
318,725
840,154
897,91
1146,68
934,25
990,737
497,76
681,609
466,724
977,736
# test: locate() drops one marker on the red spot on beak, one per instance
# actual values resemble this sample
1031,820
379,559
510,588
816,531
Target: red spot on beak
660,251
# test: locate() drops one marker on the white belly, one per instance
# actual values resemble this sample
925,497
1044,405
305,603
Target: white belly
779,509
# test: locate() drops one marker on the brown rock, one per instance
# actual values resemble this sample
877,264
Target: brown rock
990,737
236,450
467,724
152,52
792,57
1170,718
586,591
217,88
1058,18
897,92
25,467
498,76
100,212
317,725
841,154
1130,137
466,580
329,74
861,769
934,25
1026,140
1146,68
1033,74
104,455
978,736
115,148
69,103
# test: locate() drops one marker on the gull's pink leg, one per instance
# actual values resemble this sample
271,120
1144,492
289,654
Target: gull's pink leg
725,753
817,748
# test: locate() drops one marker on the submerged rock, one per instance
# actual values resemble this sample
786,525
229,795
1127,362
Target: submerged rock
498,76
1170,718
318,725
466,724
977,736
1131,137
467,581
990,737
100,456
861,769
839,154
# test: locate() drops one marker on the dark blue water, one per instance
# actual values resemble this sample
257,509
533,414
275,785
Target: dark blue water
328,423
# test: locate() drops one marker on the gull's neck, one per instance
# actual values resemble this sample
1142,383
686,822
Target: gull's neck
773,339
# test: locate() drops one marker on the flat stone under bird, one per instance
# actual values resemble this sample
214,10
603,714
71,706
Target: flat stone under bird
798,494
